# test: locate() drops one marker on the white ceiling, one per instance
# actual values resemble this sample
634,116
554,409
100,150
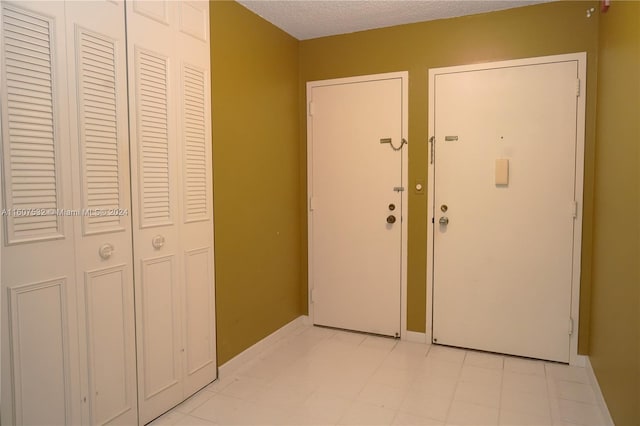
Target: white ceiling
306,19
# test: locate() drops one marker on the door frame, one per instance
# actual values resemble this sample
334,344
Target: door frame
581,59
404,205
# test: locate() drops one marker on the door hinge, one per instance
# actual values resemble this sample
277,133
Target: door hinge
432,142
311,298
575,209
570,326
578,88
312,203
311,108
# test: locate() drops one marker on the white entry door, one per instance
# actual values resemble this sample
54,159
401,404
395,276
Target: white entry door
355,133
506,205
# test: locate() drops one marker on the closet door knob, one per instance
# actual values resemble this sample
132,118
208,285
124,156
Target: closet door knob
157,242
105,251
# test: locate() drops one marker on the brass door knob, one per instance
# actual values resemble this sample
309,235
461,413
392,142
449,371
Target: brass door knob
391,219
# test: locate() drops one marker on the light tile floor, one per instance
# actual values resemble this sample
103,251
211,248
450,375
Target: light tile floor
319,376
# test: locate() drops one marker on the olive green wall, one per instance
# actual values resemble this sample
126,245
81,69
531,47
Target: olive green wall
615,314
548,29
255,174
259,146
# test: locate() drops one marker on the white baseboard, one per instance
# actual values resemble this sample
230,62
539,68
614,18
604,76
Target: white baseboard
414,336
231,366
578,361
599,397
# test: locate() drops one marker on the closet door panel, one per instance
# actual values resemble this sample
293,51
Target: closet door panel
199,325
39,343
155,184
39,353
96,55
161,362
197,217
108,308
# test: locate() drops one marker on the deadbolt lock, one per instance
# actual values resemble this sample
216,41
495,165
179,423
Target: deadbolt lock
444,208
392,207
391,219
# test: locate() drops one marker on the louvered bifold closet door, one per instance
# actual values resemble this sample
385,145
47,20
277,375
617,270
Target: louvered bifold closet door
40,378
168,45
96,54
199,365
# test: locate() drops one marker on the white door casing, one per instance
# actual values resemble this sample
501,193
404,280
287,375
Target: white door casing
504,273
357,261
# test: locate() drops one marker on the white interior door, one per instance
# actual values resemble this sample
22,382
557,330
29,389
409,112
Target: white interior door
356,202
199,366
39,341
96,58
154,155
170,109
506,149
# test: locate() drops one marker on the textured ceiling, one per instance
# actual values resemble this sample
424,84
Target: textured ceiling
306,19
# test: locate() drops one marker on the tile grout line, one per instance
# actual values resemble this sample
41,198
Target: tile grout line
464,358
501,390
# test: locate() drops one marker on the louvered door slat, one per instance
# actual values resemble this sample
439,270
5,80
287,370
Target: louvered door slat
153,144
99,131
30,139
195,173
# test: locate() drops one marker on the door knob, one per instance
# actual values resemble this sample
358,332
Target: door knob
443,220
391,219
105,251
157,242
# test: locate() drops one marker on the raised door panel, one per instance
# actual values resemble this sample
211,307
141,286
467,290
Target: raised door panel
199,324
194,19
109,314
38,320
159,333
39,353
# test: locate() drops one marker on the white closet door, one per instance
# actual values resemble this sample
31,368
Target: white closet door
40,381
154,155
194,123
96,53
173,236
